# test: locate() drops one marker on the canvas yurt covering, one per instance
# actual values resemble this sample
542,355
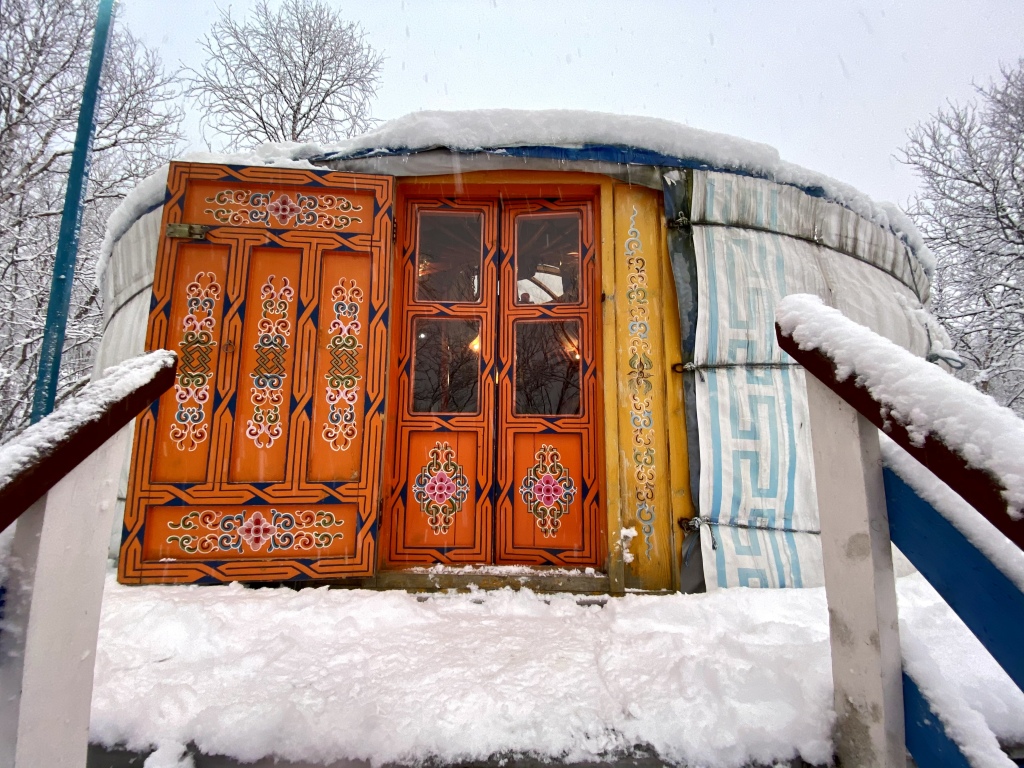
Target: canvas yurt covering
697,446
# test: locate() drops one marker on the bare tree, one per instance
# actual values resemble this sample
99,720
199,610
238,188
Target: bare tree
302,73
970,159
44,53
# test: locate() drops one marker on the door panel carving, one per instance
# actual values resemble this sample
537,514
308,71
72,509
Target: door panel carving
340,379
266,360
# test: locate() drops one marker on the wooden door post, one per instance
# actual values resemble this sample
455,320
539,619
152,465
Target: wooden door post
859,583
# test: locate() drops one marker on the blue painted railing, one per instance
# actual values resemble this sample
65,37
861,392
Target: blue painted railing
988,602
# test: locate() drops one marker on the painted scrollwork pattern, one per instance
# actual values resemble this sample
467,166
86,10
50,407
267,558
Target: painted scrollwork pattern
441,488
210,531
548,490
267,394
240,207
192,389
343,377
639,381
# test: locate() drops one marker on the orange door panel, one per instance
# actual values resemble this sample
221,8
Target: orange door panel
441,448
263,463
549,444
266,363
195,330
339,382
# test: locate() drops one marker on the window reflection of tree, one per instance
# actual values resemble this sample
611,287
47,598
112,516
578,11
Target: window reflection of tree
448,256
548,259
446,366
547,367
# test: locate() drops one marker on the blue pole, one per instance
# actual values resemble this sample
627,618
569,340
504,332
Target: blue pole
70,224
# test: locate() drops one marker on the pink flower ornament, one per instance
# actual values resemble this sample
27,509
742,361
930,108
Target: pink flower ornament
283,208
548,490
257,531
440,487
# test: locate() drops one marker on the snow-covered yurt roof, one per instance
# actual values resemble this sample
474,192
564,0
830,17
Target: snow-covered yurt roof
560,138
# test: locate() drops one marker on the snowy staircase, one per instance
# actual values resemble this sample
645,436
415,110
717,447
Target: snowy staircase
959,524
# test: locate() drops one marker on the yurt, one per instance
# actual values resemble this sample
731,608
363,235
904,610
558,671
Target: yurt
499,348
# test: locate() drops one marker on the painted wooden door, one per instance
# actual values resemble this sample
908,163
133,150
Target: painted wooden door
494,453
263,462
550,450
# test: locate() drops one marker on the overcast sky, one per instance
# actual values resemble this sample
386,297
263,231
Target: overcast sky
833,85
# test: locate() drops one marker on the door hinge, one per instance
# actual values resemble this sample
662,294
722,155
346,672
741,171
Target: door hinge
187,231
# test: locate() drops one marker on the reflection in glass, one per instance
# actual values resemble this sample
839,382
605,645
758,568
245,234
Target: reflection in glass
548,367
446,366
548,259
448,256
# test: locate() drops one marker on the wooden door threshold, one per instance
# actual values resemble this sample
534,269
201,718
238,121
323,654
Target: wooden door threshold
465,579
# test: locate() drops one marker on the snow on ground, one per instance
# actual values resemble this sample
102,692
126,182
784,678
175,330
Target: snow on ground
718,680
918,394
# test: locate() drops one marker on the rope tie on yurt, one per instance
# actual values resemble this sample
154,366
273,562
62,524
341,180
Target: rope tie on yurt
699,368
693,524
949,357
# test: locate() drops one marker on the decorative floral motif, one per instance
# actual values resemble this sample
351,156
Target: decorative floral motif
284,209
192,389
256,531
241,206
267,395
548,490
639,380
343,377
210,531
441,488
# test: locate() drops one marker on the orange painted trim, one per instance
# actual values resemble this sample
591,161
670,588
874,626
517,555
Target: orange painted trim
506,185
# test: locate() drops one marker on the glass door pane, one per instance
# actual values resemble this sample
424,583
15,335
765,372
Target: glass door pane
547,367
548,258
446,366
448,255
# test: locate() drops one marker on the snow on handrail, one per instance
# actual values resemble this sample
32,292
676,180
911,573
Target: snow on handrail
960,434
39,457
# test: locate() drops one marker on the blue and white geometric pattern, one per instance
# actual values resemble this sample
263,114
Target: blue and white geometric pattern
757,476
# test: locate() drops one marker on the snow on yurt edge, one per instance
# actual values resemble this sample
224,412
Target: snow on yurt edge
497,129
503,129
